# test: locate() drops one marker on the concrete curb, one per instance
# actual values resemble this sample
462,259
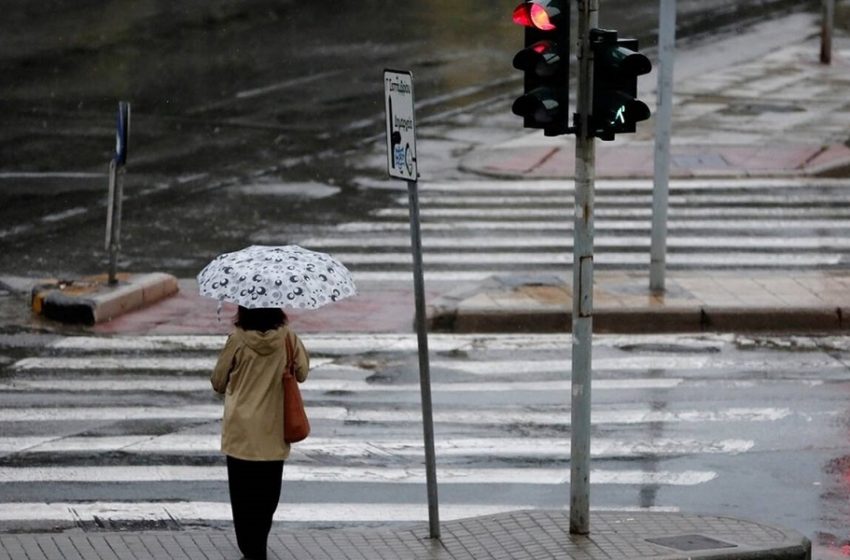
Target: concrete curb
636,321
92,300
524,304
634,161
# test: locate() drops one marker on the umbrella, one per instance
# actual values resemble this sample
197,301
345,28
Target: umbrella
285,276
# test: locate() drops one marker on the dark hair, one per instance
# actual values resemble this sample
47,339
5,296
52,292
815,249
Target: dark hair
261,319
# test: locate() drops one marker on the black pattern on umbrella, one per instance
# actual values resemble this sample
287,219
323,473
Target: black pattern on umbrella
285,276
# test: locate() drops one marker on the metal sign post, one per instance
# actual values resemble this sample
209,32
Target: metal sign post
401,164
663,120
116,189
582,318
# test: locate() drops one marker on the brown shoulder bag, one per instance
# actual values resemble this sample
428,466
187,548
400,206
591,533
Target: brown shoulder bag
296,427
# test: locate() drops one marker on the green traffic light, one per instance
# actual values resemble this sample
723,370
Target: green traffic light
621,115
617,63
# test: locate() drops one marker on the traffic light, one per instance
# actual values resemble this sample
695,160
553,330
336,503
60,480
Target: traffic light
616,66
545,60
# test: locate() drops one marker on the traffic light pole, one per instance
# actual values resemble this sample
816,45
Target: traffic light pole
582,316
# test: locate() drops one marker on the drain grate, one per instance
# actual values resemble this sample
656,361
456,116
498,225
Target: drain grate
690,543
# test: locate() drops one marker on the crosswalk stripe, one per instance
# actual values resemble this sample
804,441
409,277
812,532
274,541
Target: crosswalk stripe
629,213
603,185
331,344
566,225
124,363
565,243
177,385
484,368
495,417
607,198
371,512
318,344
348,474
481,447
740,258
351,377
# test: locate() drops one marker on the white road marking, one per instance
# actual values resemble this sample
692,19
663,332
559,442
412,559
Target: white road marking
619,199
344,447
565,243
429,212
50,175
125,363
490,416
566,225
317,344
603,185
180,384
316,473
563,260
372,512
355,343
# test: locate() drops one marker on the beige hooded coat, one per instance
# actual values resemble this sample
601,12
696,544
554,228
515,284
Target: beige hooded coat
249,373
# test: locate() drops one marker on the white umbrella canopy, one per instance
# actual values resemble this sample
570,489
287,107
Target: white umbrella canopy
281,276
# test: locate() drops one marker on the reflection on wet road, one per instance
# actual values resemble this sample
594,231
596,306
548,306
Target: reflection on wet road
230,93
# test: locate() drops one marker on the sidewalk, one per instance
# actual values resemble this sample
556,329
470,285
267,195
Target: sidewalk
695,301
521,535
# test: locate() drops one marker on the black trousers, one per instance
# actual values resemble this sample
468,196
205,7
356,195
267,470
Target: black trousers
254,494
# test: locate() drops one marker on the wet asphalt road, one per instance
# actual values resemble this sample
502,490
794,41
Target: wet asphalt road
280,97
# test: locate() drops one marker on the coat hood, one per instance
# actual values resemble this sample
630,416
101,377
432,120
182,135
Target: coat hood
262,343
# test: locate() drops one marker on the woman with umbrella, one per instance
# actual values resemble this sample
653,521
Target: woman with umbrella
249,371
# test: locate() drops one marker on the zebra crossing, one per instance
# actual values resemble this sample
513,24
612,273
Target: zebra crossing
475,229
124,430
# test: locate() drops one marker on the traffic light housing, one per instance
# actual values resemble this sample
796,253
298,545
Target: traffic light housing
545,61
617,63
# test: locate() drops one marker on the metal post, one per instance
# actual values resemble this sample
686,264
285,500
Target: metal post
116,189
424,365
113,218
827,19
663,123
582,317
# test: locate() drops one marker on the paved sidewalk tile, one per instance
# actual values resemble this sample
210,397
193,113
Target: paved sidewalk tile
520,535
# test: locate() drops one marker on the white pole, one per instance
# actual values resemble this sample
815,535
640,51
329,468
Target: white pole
663,124
582,317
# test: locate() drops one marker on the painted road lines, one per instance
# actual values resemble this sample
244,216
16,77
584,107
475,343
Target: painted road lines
354,512
835,197
499,416
345,344
566,225
603,212
603,185
473,448
400,242
318,344
351,474
126,363
182,384
563,260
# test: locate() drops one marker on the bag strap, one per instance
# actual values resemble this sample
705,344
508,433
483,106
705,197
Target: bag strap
289,368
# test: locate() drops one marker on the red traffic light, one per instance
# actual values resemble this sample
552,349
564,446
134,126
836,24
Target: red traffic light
540,14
